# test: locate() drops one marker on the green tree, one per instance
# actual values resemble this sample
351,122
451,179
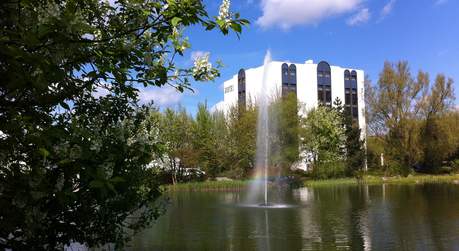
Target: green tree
323,134
73,167
354,144
241,141
205,141
176,133
434,136
403,112
285,125
220,141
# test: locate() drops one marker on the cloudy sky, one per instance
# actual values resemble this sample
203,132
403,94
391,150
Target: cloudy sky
349,33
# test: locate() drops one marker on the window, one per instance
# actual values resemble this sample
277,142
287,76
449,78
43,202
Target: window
320,94
348,110
241,83
347,79
285,74
350,94
347,75
347,96
324,95
292,74
328,95
289,79
354,80
354,97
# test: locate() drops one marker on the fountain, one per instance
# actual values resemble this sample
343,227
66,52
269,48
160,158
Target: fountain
263,134
259,186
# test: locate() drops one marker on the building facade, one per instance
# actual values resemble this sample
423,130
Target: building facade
312,83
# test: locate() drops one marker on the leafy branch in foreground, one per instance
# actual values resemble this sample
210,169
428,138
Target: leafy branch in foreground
74,164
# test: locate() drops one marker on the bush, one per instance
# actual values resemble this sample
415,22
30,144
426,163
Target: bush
327,170
455,165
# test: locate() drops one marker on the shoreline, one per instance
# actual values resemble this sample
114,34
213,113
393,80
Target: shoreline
238,185
379,180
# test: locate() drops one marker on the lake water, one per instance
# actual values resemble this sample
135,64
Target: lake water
383,217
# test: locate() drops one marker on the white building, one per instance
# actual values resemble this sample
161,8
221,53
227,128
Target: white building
312,83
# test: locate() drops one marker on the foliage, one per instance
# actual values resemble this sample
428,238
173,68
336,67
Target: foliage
328,169
232,185
407,113
205,141
375,146
378,180
323,135
75,147
285,123
176,134
354,144
241,141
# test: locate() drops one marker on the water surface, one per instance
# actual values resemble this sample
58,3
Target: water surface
384,217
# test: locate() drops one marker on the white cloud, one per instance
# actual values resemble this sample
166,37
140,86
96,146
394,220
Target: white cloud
387,9
359,18
288,13
163,96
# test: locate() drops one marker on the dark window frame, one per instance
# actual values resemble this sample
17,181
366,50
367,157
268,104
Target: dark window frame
324,83
241,83
289,79
351,97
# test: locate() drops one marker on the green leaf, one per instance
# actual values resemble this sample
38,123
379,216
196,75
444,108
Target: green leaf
96,184
236,27
117,179
175,21
43,152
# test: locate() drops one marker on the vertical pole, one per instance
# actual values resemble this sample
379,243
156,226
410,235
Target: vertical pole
382,159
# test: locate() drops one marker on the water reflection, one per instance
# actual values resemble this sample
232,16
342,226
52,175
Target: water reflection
421,217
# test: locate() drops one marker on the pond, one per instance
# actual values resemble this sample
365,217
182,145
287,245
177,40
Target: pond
383,217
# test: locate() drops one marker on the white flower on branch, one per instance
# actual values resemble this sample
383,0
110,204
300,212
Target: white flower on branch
224,14
202,70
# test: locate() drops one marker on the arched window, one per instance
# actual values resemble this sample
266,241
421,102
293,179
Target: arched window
354,99
354,79
324,83
350,94
347,92
347,79
288,79
284,73
292,74
241,83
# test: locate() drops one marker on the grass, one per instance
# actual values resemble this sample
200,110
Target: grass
232,185
369,179
238,185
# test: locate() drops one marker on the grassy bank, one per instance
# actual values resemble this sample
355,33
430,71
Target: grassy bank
236,185
230,185
368,179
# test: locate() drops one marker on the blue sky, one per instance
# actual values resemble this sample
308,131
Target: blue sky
351,33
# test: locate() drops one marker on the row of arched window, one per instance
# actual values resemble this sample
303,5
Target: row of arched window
324,95
350,89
